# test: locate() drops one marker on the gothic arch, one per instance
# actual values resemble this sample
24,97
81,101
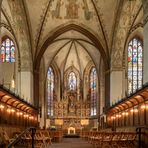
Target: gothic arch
135,34
67,28
55,69
71,68
66,75
88,68
57,80
51,39
86,78
10,35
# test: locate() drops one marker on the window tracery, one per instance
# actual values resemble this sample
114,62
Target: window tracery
93,91
7,51
50,91
72,81
135,65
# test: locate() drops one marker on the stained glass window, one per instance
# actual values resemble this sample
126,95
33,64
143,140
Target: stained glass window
72,81
7,51
93,91
135,65
50,91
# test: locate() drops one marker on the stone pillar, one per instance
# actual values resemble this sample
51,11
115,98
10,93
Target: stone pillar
107,89
145,63
42,101
102,90
26,82
36,88
116,86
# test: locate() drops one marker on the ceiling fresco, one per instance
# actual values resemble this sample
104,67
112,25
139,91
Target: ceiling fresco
34,21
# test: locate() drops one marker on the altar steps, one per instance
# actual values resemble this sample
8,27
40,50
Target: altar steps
71,136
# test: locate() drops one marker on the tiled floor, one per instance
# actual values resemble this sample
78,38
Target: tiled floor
72,143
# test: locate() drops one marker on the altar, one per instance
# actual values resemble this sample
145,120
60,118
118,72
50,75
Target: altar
71,130
71,111
71,133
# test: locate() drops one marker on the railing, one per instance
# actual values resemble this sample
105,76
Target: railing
140,133
14,142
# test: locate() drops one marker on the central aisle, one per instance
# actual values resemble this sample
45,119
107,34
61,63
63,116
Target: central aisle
71,143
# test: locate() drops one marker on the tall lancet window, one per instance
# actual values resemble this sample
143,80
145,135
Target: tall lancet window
93,91
7,50
135,65
50,91
72,81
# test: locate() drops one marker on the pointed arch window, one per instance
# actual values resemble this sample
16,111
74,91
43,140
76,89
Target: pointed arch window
50,91
72,81
135,65
93,91
7,50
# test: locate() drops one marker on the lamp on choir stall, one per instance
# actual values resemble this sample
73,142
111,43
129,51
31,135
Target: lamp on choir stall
13,83
1,106
13,78
144,106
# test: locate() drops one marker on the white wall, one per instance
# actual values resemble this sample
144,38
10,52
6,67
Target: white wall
102,90
116,86
145,76
26,88
7,74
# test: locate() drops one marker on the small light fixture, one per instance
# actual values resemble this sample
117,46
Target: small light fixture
126,113
113,117
143,106
26,115
123,113
18,113
21,113
135,110
8,110
132,110
1,106
119,116
12,110
31,117
13,83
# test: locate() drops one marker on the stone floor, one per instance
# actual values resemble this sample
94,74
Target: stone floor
72,143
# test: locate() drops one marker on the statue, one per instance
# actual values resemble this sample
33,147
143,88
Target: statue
72,10
71,104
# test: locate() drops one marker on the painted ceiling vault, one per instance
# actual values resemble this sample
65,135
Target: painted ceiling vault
76,50
34,21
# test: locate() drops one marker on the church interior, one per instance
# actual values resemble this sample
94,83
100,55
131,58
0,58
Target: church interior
73,73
